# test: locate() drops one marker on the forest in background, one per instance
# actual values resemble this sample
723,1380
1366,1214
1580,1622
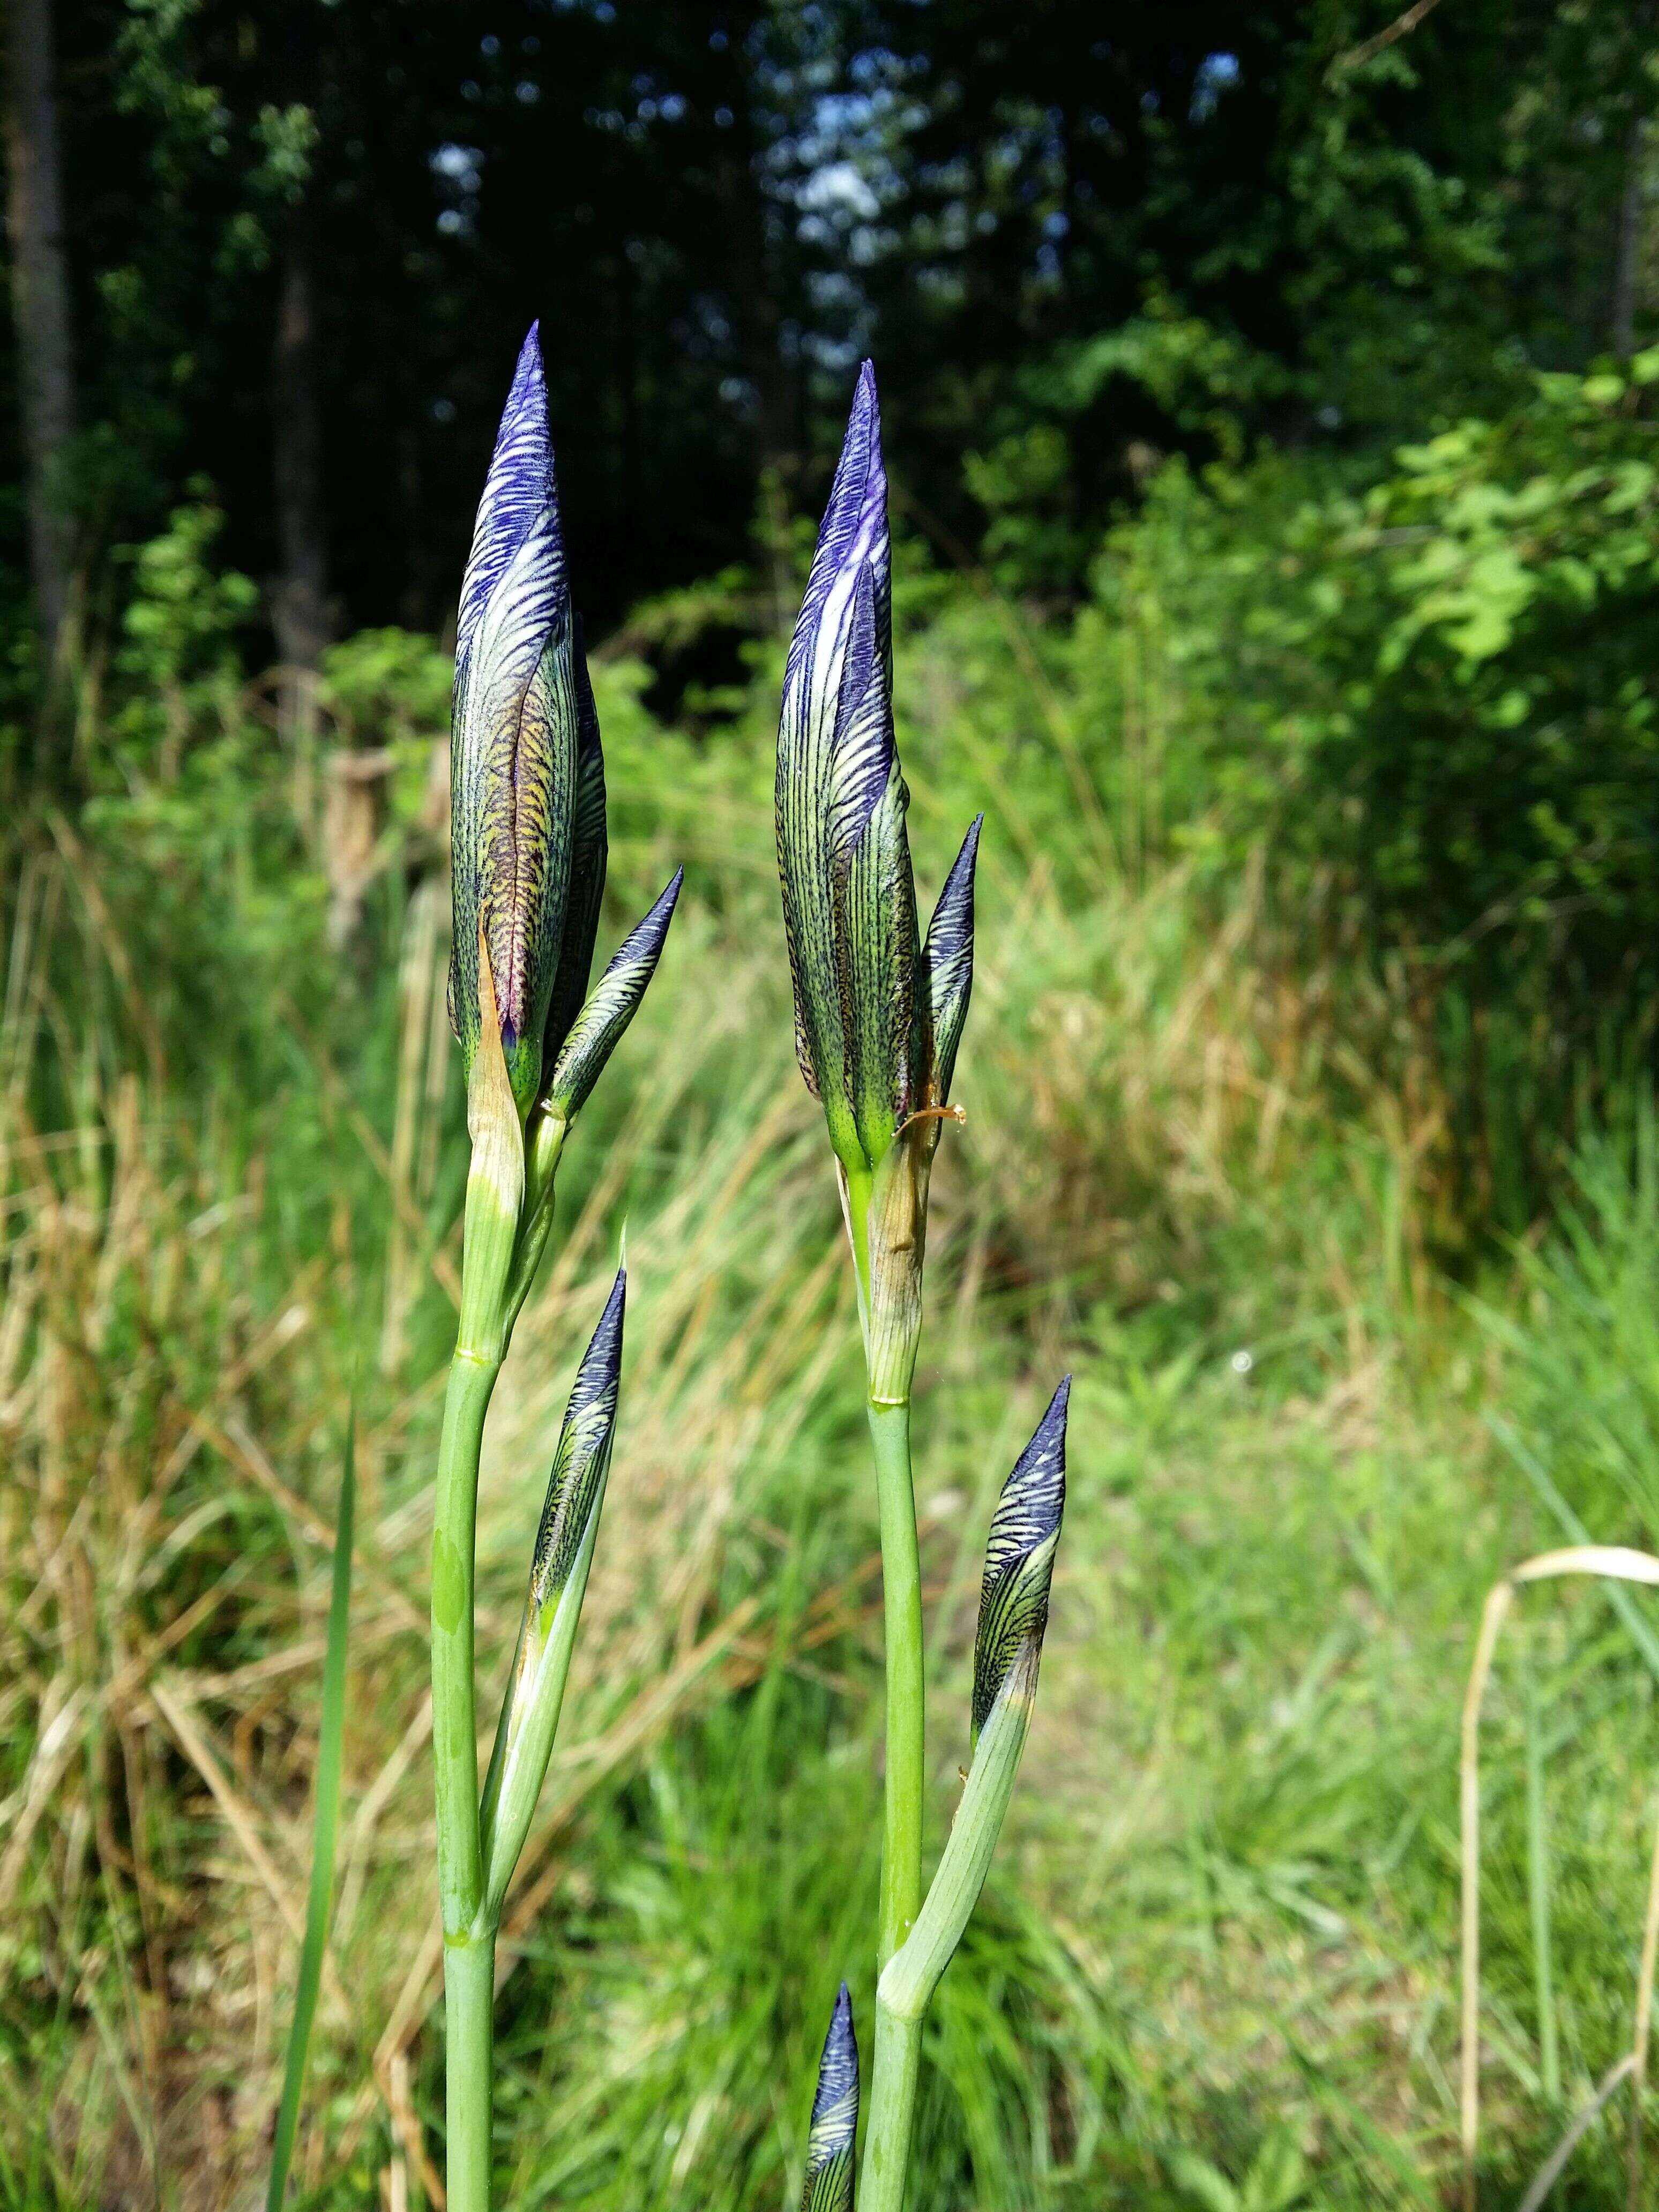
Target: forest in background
295,245
1272,398
1304,288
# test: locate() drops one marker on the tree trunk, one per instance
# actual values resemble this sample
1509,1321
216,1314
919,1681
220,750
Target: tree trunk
1627,254
298,610
299,613
40,303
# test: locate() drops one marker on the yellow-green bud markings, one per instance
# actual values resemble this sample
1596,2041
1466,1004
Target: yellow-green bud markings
589,851
833,2132
513,740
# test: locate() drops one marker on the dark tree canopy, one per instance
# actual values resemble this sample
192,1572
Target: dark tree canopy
1070,235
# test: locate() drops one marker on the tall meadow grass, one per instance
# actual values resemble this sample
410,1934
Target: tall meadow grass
1206,1165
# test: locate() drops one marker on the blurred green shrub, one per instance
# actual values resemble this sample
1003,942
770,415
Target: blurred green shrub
1437,688
179,665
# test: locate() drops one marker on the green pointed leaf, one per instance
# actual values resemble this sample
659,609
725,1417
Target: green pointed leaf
325,1829
589,851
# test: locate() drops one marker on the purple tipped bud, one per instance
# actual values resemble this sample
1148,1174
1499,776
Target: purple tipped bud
589,852
947,963
835,2127
843,856
1019,1563
611,1007
513,742
584,1452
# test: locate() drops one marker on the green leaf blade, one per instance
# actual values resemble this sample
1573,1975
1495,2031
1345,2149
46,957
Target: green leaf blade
324,1831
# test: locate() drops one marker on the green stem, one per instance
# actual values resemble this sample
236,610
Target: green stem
900,1573
892,2108
454,1722
468,2032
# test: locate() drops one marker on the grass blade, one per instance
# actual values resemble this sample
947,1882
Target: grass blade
1617,1595
325,1829
1538,1887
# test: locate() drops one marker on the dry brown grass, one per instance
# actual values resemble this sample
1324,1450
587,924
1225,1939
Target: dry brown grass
170,1426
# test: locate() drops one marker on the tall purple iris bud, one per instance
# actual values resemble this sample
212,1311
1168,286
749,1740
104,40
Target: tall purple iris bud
529,853
879,1014
513,742
528,837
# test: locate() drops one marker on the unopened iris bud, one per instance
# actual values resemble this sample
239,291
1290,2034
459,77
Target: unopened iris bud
849,896
558,1583
947,960
1019,1566
829,2142
589,853
513,745
877,1019
610,1006
1014,1614
582,1459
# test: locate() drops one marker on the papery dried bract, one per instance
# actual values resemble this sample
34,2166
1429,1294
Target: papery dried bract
513,740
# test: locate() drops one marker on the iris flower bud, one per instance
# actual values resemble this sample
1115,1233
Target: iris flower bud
589,852
835,2117
877,1016
1019,1566
514,745
608,1009
1014,1614
553,1603
848,896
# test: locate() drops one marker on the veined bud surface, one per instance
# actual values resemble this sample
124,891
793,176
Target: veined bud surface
514,745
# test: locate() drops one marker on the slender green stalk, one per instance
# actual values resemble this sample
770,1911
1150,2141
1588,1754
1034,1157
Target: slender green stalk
878,1016
900,1575
468,1985
894,2072
909,1978
1008,1653
494,1194
469,2084
454,1718
528,848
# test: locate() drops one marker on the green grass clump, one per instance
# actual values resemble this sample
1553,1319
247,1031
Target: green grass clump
1202,1168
